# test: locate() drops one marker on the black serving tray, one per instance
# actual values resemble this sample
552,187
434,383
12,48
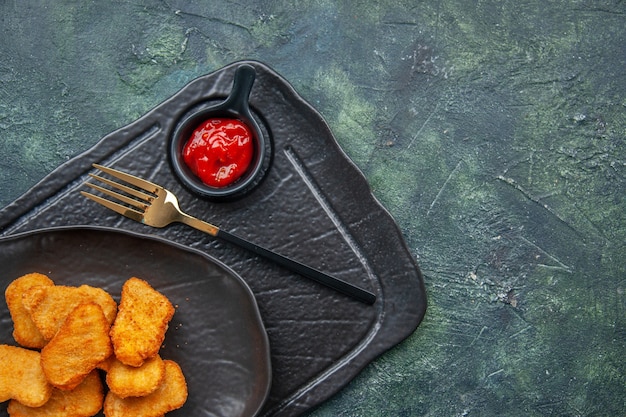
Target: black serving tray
313,205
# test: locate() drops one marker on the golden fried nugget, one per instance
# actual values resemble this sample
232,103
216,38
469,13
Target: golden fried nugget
83,401
22,377
129,381
49,306
79,346
24,330
170,395
141,322
105,365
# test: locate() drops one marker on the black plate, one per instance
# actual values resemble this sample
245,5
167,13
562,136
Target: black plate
216,334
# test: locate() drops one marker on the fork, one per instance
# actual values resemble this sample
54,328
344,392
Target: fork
153,205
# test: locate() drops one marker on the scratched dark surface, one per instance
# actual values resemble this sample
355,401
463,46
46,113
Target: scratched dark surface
492,131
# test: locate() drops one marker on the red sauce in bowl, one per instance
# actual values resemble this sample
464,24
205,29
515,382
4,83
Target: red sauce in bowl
219,151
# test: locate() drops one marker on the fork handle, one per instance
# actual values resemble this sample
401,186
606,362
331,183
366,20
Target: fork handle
337,284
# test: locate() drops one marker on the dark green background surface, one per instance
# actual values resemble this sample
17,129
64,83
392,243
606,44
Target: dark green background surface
493,131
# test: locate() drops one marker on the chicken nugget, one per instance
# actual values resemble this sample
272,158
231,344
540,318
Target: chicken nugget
83,401
22,377
105,365
24,330
170,395
141,322
49,306
79,346
129,381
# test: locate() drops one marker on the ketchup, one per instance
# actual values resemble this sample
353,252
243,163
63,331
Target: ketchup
219,151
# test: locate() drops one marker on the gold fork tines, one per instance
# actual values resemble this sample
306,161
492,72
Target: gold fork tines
145,185
153,205
147,203
135,207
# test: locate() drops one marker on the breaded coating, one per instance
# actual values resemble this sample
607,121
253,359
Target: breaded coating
83,401
170,395
79,346
78,330
105,365
24,330
22,377
49,306
141,323
129,381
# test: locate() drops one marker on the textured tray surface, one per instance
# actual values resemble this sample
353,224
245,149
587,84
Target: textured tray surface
314,206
